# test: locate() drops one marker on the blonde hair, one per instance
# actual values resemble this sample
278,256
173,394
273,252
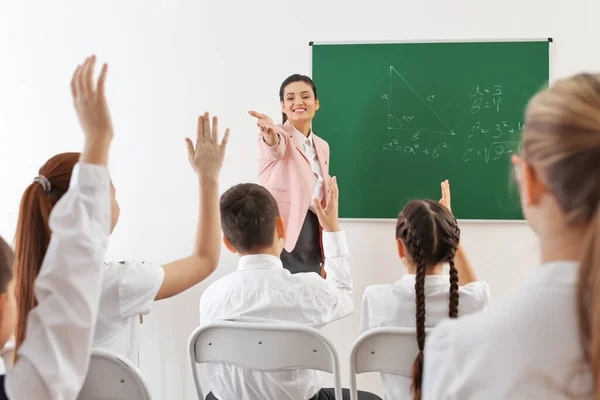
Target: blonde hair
562,140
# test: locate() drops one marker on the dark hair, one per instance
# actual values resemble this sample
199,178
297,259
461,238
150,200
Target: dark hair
248,216
430,234
33,232
292,79
7,259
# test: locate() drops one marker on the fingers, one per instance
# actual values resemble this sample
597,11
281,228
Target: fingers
206,129
190,147
333,188
102,79
256,114
318,208
89,78
83,77
74,80
199,130
225,139
215,130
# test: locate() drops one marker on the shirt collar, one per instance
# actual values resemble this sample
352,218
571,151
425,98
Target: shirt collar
259,261
304,139
430,280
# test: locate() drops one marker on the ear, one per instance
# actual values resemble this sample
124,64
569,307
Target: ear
317,104
282,106
229,246
532,186
401,248
280,228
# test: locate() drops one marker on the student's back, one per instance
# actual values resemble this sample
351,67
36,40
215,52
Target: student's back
543,343
428,237
261,290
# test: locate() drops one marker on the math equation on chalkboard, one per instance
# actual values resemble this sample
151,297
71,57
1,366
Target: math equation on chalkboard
418,128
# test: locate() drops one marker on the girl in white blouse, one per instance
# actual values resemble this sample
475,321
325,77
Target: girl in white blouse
128,287
544,342
427,236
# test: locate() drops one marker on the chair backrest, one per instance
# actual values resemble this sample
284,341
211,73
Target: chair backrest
7,353
263,347
390,350
112,377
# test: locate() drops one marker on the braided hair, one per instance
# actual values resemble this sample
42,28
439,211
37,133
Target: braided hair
430,234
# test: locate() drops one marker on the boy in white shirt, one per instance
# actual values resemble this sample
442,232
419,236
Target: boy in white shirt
261,290
427,236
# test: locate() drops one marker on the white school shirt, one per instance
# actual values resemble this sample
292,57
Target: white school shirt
261,290
308,146
393,305
128,291
54,358
525,348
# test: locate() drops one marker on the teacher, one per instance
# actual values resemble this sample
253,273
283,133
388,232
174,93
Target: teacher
292,163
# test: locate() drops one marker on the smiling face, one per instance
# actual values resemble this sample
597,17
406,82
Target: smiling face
299,102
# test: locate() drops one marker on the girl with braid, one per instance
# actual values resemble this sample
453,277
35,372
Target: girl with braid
427,237
544,342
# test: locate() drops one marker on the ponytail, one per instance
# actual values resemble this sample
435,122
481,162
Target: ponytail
588,301
33,232
32,239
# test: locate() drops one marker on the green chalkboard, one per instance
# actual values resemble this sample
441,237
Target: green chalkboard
402,117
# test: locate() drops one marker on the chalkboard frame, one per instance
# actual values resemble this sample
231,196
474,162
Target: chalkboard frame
480,40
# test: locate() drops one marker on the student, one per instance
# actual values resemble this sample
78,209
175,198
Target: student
427,236
293,163
54,359
543,343
262,290
128,287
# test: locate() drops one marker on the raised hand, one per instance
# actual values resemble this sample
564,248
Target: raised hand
328,216
207,157
267,127
445,200
90,101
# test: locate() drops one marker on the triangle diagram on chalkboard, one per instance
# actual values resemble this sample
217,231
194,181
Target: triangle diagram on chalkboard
410,110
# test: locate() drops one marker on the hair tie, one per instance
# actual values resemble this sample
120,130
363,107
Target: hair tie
44,182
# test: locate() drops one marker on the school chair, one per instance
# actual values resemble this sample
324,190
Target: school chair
112,377
390,350
264,347
7,353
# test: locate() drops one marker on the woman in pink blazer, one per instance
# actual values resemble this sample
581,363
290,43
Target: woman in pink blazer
293,162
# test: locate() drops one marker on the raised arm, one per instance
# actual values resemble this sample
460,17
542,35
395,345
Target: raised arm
271,143
206,160
466,274
337,265
54,358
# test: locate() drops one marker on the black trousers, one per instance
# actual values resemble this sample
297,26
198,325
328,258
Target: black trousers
306,256
326,394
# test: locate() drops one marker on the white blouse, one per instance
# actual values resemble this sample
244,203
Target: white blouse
526,348
128,291
393,305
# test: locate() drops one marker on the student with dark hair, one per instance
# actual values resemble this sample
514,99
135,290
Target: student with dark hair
544,342
293,164
428,237
262,290
54,358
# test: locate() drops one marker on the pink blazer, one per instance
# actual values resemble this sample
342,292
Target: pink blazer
286,172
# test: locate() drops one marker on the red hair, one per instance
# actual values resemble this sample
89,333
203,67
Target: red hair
33,232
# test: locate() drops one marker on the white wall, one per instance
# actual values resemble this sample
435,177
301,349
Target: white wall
172,59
